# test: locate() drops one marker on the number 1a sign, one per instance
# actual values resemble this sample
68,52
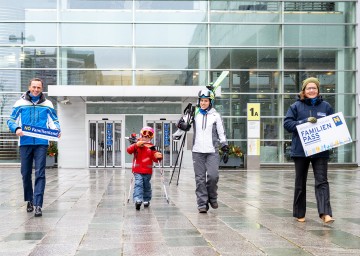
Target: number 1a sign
253,110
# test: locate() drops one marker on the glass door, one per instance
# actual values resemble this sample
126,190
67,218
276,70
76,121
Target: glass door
163,140
104,143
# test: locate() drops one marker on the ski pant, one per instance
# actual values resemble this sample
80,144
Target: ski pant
206,167
322,190
28,154
142,187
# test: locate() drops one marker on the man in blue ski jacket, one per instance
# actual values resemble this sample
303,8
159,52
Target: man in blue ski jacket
35,110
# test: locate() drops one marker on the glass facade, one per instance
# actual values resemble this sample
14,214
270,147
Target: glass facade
269,47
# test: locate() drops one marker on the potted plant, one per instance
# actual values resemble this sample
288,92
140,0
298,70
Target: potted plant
236,157
51,154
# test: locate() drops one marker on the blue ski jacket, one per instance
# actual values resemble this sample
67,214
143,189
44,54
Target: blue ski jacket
297,114
41,114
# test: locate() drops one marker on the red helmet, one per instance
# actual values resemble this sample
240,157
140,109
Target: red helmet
147,131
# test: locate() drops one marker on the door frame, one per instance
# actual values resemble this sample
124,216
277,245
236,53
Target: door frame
163,118
105,117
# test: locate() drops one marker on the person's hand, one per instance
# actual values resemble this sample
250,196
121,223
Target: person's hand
225,156
19,132
140,143
312,119
158,155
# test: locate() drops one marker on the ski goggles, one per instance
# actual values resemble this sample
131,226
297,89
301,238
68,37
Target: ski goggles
147,133
205,94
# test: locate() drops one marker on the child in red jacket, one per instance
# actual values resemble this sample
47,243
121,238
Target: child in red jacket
144,156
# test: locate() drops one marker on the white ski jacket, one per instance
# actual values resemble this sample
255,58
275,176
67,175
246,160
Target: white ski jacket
208,132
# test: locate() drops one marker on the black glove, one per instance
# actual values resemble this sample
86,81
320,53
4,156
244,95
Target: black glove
182,125
225,156
312,119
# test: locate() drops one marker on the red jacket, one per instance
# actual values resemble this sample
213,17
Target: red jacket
143,158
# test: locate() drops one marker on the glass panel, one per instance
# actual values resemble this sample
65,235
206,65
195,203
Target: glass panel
159,140
95,57
28,10
171,58
323,59
319,12
170,34
170,77
117,144
143,108
100,10
96,34
174,144
271,152
133,124
244,11
244,58
167,144
7,102
330,82
235,129
29,34
95,77
109,143
171,11
98,4
245,35
298,35
238,102
92,144
101,144
9,151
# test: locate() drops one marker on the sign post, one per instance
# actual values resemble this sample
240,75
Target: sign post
253,136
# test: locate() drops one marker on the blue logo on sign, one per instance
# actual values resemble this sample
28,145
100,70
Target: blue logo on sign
337,120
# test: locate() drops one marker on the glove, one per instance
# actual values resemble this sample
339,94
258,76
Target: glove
312,119
182,125
158,155
140,143
225,156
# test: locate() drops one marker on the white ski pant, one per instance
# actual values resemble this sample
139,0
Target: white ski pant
206,167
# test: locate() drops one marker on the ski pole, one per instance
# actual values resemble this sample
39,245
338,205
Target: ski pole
163,181
131,181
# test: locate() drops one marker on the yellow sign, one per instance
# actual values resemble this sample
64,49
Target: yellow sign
253,111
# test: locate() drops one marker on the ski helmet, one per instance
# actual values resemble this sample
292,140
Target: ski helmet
147,131
207,94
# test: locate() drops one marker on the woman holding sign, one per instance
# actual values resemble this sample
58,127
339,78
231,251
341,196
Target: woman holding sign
308,108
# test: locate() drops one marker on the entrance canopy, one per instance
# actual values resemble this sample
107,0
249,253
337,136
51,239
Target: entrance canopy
126,91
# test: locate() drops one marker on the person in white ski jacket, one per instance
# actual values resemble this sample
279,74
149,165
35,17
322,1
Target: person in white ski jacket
209,135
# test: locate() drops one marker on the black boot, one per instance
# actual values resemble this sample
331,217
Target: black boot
29,207
38,212
138,205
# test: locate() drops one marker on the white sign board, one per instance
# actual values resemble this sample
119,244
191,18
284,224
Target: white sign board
327,133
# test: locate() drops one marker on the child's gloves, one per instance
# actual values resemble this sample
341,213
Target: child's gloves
140,143
312,119
158,155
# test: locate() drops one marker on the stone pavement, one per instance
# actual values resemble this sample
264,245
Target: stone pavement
85,213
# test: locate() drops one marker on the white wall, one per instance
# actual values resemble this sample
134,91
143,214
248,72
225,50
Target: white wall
72,144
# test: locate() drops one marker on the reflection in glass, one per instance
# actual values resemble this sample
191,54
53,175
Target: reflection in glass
96,34
248,11
171,58
96,57
244,58
170,34
326,35
188,77
244,35
95,77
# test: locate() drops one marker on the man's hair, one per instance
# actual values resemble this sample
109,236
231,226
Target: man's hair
38,80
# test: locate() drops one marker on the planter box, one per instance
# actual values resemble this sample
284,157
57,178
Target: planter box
233,162
50,161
